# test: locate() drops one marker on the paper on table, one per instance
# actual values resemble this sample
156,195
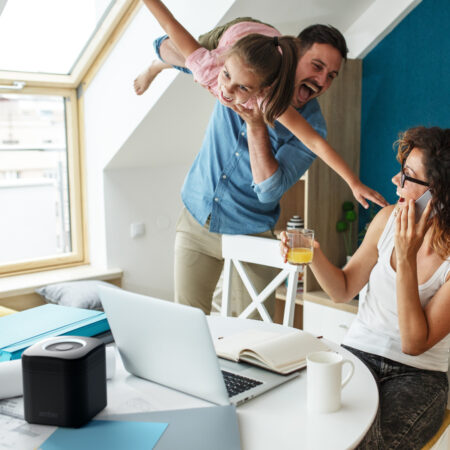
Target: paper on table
12,407
11,378
22,435
11,374
110,356
106,434
123,398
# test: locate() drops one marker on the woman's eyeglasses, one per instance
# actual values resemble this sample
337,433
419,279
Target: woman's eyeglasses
405,177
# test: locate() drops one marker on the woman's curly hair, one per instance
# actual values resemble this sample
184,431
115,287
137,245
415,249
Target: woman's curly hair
435,145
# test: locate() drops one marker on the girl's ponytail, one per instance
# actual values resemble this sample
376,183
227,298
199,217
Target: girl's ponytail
282,86
274,61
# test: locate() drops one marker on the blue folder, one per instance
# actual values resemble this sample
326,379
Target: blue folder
208,428
20,330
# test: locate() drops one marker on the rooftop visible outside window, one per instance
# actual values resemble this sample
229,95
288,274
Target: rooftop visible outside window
47,36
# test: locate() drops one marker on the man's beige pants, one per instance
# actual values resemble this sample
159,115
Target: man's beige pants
199,263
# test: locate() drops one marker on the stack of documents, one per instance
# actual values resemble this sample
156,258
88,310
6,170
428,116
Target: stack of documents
20,330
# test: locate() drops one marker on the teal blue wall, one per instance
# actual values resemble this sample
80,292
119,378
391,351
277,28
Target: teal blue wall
406,82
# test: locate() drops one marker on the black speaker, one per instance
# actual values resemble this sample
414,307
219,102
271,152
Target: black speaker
64,380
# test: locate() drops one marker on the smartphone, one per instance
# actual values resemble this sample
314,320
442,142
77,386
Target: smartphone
421,203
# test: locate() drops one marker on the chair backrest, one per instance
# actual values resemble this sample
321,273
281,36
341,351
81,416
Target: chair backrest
237,249
253,249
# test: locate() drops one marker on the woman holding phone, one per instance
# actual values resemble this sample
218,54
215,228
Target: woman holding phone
402,271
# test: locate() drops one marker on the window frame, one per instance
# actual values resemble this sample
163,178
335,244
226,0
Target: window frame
75,182
71,87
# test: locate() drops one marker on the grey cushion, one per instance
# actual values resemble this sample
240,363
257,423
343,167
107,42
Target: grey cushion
79,294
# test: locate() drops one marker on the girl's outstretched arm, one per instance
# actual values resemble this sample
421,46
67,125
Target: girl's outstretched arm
182,39
298,126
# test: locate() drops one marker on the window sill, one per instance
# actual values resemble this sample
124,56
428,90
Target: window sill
19,285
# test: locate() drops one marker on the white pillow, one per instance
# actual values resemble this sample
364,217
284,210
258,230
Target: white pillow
79,294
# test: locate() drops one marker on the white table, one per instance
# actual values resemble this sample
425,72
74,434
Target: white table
277,419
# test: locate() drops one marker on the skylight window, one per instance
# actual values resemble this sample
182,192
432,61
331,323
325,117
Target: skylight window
47,36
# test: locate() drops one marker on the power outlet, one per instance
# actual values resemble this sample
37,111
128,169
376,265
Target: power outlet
137,229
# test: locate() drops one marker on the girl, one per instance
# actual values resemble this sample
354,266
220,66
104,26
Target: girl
401,331
253,72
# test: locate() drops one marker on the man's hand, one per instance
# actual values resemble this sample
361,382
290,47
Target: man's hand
361,192
253,117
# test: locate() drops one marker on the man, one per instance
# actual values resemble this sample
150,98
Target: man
241,172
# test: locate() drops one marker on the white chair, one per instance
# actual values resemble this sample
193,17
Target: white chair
237,249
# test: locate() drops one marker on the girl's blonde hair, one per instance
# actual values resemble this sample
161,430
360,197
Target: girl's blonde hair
274,61
434,143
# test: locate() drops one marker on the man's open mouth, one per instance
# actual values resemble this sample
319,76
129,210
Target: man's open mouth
307,90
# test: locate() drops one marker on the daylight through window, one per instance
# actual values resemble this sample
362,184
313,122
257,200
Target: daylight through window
34,192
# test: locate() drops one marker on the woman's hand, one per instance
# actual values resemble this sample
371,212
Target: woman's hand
361,192
284,246
409,234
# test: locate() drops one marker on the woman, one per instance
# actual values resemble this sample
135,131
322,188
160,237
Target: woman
402,269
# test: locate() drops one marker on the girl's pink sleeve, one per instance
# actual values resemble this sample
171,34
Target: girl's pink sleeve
205,65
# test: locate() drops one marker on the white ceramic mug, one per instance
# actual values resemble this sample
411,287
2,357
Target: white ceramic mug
324,380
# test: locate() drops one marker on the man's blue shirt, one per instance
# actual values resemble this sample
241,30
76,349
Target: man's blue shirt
220,182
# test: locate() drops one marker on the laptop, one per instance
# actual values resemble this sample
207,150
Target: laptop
170,344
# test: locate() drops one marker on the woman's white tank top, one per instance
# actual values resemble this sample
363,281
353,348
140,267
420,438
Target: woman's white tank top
375,328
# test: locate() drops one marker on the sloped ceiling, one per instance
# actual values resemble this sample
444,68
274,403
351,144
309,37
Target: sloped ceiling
364,23
291,16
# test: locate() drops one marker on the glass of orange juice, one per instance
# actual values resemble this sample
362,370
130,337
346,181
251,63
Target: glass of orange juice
301,245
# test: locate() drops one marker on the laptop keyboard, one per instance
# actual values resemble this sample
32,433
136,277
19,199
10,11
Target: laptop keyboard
236,383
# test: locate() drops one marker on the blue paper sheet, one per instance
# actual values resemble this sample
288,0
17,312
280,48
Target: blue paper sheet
99,434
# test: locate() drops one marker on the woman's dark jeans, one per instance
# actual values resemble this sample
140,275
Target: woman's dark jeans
412,404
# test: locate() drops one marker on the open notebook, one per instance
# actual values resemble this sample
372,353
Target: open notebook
282,353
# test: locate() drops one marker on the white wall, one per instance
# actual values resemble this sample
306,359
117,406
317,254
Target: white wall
147,260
